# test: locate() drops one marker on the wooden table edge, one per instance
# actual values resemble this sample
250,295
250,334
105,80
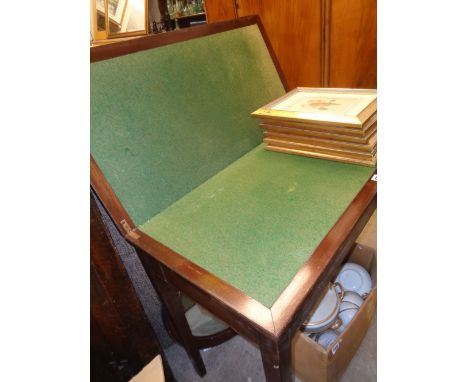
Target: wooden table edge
230,297
296,298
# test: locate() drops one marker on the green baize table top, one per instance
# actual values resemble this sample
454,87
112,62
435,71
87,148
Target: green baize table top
172,133
255,223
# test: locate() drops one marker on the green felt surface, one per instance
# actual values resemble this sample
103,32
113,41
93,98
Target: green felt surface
255,223
165,120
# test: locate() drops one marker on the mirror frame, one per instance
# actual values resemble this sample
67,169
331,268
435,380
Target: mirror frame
125,34
97,35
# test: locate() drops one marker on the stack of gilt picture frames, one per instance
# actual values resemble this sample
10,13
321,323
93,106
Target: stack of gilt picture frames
333,124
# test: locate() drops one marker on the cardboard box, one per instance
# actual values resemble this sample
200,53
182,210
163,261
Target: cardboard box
152,372
313,363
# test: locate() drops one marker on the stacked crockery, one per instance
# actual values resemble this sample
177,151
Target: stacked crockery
336,310
357,285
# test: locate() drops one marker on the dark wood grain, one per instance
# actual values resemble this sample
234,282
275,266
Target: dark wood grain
104,52
294,29
110,200
122,339
172,302
318,42
220,10
272,54
353,44
231,305
325,44
276,358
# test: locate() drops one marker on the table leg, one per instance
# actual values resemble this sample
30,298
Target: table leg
172,302
177,315
276,358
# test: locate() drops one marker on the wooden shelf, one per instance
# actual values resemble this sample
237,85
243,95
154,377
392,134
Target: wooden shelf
189,16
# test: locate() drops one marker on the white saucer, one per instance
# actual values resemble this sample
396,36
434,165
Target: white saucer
355,278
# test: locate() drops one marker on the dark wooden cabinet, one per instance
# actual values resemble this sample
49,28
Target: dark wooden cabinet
294,29
353,44
329,43
220,10
122,339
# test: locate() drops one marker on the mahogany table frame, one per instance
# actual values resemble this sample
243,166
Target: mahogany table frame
271,329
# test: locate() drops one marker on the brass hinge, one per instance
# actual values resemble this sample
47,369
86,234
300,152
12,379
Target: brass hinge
130,232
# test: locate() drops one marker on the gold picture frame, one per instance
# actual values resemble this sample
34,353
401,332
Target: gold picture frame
322,106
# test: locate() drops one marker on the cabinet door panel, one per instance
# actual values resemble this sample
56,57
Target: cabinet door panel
353,44
220,10
294,29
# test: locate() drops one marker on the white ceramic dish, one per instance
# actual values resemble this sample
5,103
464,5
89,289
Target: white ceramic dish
345,305
326,312
355,278
326,338
353,297
346,317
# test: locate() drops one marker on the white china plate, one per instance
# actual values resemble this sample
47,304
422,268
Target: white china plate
355,278
348,305
325,313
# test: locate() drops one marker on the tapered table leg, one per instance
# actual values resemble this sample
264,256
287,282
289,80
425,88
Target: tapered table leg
276,358
173,304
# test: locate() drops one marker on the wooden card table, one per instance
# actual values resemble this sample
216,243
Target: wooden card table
252,236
